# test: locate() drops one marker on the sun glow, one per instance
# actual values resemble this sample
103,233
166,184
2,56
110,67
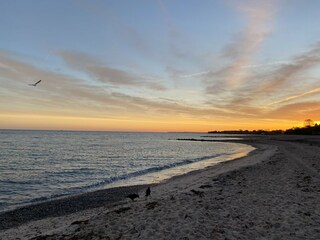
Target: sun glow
178,124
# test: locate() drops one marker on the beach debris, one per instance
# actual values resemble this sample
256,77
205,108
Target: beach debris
307,214
307,179
151,205
199,193
148,192
120,236
134,230
306,190
80,222
205,186
123,209
133,196
43,237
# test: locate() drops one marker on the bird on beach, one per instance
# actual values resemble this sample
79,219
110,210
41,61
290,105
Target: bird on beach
133,196
35,84
148,192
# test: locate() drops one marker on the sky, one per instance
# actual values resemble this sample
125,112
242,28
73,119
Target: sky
159,65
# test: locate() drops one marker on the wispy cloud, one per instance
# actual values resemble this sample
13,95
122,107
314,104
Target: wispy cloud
197,74
106,74
268,64
295,111
221,71
245,44
293,97
280,79
60,94
290,71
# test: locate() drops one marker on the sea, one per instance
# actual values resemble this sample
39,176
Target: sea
37,166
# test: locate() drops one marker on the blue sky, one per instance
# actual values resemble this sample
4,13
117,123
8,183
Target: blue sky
168,63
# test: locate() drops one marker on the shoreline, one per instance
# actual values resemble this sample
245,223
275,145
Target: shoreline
150,175
106,197
271,193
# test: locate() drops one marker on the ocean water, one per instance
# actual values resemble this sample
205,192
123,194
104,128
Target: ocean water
40,165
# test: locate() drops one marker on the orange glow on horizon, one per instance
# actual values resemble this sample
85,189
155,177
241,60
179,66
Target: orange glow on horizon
178,124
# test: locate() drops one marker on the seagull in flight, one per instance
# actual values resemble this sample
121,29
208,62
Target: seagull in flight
35,84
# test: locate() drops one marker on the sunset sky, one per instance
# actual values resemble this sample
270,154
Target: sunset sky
159,65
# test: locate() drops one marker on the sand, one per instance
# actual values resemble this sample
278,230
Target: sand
274,193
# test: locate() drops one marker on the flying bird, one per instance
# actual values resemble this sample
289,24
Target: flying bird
35,84
133,196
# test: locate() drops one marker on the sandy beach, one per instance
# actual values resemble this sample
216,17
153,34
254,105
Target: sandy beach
273,193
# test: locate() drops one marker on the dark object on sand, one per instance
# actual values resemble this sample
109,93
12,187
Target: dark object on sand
199,193
148,192
151,205
35,84
123,209
133,196
80,222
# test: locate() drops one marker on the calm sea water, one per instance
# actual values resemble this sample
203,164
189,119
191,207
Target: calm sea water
40,165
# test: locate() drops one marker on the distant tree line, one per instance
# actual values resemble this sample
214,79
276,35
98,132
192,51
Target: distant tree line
309,129
261,132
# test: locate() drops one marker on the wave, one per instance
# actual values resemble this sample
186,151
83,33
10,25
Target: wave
105,182
151,170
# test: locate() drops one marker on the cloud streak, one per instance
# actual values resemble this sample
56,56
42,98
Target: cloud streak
105,74
63,95
295,111
254,98
294,97
251,66
242,49
287,72
249,41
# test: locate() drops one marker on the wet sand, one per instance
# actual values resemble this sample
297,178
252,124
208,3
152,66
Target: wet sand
274,193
